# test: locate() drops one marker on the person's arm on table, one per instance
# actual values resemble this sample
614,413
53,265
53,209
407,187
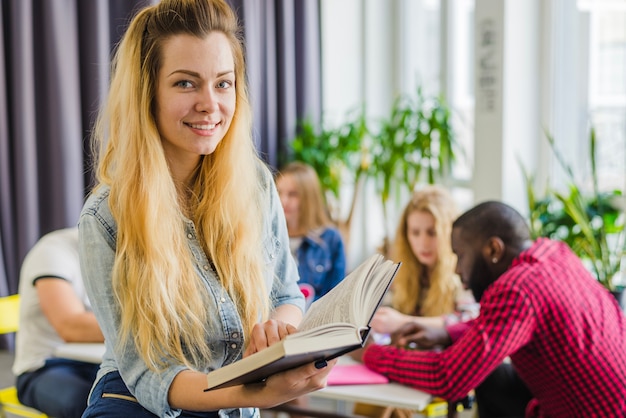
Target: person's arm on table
457,330
387,320
66,311
426,336
453,372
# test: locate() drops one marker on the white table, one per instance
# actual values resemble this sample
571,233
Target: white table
88,352
386,395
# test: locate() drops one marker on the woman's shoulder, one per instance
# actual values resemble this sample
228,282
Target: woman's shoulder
328,234
324,232
264,174
331,231
97,205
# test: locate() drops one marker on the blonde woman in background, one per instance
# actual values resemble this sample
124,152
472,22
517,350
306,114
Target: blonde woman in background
426,289
316,243
183,244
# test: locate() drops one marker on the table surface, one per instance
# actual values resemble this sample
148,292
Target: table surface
89,352
386,394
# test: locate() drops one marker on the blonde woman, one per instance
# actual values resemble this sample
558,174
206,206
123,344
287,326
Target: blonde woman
426,289
184,248
315,242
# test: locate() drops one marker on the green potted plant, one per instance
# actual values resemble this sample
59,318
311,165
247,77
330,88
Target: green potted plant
416,143
591,223
339,156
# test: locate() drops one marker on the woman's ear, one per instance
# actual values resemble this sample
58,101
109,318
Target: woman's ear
493,250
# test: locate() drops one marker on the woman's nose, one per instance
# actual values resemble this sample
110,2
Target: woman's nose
208,101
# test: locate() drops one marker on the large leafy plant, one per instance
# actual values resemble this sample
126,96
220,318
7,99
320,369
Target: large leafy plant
414,143
590,222
339,156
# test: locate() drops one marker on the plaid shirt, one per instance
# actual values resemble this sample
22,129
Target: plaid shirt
565,335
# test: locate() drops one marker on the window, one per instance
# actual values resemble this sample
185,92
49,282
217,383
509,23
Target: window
591,35
607,89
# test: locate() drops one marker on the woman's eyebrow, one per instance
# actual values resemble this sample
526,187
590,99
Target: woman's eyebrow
197,75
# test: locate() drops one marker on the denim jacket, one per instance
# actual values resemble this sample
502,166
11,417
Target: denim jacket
98,230
321,260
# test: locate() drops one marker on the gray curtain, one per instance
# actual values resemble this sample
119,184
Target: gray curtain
284,68
55,68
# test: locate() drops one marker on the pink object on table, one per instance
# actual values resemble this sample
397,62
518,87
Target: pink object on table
354,374
309,293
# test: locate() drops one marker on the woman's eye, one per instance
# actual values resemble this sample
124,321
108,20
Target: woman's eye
186,84
224,84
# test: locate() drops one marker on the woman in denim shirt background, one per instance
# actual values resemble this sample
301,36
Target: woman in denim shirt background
183,245
315,243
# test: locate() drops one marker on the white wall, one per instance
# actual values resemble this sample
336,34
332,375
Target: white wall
507,93
362,63
359,67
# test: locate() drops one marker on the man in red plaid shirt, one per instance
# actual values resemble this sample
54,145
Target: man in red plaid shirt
564,333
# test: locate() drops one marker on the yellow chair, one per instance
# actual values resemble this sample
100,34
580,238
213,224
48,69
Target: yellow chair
9,323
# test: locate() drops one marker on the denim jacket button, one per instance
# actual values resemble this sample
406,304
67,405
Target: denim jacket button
235,335
233,346
206,267
319,268
190,236
223,300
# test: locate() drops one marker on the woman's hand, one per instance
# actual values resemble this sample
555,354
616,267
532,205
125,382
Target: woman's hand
414,333
290,384
268,333
387,320
187,389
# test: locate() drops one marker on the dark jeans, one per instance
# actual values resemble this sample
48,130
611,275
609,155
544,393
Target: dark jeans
502,394
111,398
60,388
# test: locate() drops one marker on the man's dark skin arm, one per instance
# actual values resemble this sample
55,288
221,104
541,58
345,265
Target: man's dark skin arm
416,335
411,335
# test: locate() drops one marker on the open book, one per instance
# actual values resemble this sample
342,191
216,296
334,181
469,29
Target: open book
335,324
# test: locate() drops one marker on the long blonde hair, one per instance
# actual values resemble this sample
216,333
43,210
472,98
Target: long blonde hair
313,212
163,303
444,283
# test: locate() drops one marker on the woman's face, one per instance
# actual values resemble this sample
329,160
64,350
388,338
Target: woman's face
195,97
289,198
422,237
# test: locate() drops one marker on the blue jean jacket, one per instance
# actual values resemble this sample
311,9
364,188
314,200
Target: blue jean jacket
97,235
322,260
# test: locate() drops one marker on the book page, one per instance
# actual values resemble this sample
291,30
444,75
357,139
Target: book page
352,299
375,290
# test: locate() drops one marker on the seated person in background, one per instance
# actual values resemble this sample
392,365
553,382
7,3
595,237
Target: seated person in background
54,309
426,289
564,333
315,243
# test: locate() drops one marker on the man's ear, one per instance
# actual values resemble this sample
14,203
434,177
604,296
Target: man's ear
493,250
